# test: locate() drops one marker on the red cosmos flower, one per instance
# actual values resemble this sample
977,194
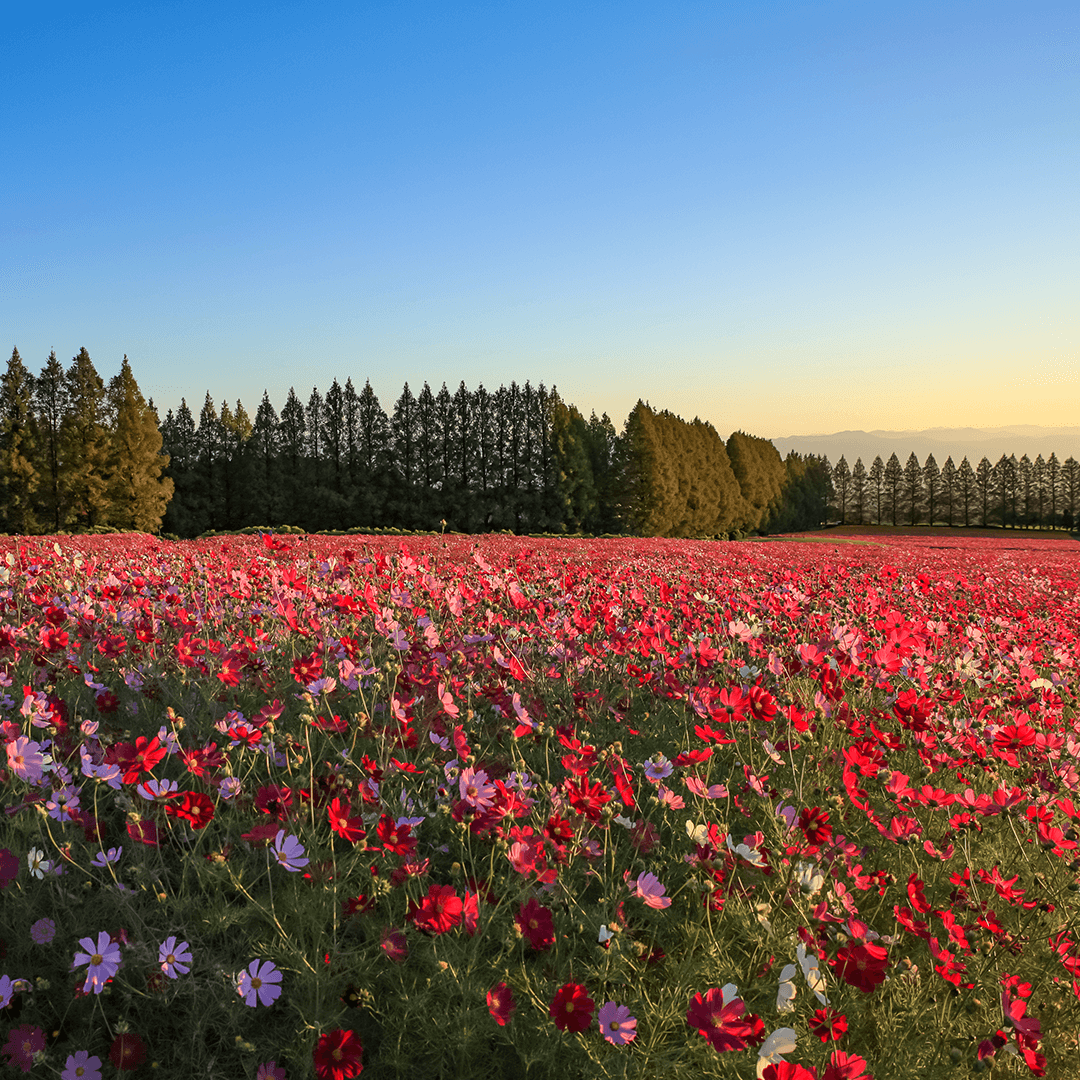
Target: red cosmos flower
194,806
135,759
586,798
348,828
127,1052
814,823
862,966
826,1025
845,1066
534,922
572,1008
397,839
439,912
500,1003
144,831
788,1070
307,668
337,1055
275,800
9,867
723,1025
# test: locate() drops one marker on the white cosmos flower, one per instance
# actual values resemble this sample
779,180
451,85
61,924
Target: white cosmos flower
809,877
730,992
771,1051
814,978
39,865
785,993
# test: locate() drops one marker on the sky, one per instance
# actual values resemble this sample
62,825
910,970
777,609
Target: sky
781,217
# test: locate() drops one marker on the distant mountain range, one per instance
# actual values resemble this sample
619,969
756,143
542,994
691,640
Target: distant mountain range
957,443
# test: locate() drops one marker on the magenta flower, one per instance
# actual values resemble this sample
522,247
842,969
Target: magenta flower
650,890
103,958
289,851
259,983
616,1024
23,1043
43,931
81,1066
270,1070
174,958
9,867
475,788
25,759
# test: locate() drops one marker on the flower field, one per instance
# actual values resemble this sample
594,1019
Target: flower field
290,807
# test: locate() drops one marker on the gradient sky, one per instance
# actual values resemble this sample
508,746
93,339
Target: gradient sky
782,217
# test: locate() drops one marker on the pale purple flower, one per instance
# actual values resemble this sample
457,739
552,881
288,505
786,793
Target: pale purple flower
43,931
103,958
261,983
229,787
289,851
270,1070
174,958
81,1066
650,890
8,986
157,789
102,858
616,1024
658,768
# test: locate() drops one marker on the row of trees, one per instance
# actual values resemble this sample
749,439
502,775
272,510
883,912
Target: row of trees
74,453
1011,493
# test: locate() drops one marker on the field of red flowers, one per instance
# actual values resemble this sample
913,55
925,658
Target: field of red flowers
291,806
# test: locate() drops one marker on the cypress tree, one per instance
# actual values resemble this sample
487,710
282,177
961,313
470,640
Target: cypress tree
858,491
137,492
893,478
85,443
264,498
19,476
50,406
913,488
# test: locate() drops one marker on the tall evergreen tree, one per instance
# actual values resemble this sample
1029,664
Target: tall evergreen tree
877,484
374,449
984,474
180,442
1037,509
948,489
602,448
913,488
264,498
842,480
858,491
1070,491
334,437
893,480
85,443
931,486
19,476
313,426
404,432
292,427
1053,487
575,492
209,502
137,493
50,406
967,488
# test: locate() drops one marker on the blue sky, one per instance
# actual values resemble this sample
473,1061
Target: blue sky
782,217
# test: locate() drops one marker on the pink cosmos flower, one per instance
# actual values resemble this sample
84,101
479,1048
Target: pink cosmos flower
81,1066
616,1024
289,851
103,958
43,931
25,759
650,890
270,1070
23,1043
475,788
174,958
259,983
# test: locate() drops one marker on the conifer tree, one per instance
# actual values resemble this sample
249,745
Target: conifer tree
984,489
931,483
893,479
292,427
967,488
334,438
180,442
842,479
575,492
313,426
1070,491
1053,487
913,488
236,431
428,460
50,407
602,445
1025,490
1038,486
858,491
208,503
85,443
949,489
403,430
19,476
877,483
264,497
137,491
374,450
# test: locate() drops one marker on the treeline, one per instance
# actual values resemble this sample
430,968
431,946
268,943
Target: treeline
1025,493
76,454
